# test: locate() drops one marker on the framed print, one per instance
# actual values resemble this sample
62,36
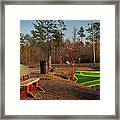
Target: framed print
59,59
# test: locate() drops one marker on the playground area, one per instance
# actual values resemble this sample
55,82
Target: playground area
58,85
60,60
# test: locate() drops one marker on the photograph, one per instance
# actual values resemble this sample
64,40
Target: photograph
59,59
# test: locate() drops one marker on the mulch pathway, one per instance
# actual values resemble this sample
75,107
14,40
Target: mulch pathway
62,89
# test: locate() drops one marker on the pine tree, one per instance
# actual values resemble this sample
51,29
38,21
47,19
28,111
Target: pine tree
47,32
94,33
81,34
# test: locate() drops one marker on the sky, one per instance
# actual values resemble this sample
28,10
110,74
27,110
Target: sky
27,25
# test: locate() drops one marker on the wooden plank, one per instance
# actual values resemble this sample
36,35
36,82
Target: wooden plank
28,82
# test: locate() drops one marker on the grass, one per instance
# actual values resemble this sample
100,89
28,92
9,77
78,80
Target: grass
94,82
91,73
82,79
91,78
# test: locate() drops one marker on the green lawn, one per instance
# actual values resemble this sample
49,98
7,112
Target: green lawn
82,78
94,82
91,73
88,78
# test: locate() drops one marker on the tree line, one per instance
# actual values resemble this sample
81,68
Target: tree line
46,42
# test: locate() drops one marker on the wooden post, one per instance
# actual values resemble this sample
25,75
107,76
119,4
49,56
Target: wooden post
73,71
27,89
36,83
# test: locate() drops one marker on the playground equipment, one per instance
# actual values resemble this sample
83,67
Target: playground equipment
87,78
26,82
70,57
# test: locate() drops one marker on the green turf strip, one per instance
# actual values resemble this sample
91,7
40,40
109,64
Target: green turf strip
93,85
86,78
90,81
87,72
91,73
87,75
94,82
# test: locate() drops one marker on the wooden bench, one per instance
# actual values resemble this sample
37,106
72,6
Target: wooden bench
26,81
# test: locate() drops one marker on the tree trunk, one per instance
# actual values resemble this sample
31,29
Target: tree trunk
49,57
93,48
50,61
94,52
